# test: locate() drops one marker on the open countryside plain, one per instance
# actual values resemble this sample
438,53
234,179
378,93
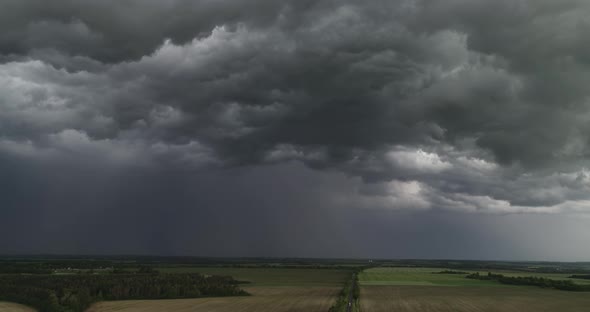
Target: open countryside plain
470,299
272,289
418,289
279,299
408,276
258,276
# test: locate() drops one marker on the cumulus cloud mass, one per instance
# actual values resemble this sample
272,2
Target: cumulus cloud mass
187,118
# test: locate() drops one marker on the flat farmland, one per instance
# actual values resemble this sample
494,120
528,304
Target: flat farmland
272,289
555,276
416,277
273,276
278,299
421,289
470,299
401,276
13,307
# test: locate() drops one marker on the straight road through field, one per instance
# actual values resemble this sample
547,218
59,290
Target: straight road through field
350,299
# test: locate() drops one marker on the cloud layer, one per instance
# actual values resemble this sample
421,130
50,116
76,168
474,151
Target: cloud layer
461,106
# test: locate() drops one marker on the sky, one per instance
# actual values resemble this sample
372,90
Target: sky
455,129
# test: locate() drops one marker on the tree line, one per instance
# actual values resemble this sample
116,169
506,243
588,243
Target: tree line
341,303
451,272
531,281
75,293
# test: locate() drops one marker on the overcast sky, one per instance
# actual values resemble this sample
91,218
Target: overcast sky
300,128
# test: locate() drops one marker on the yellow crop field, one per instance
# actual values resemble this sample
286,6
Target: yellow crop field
14,307
277,299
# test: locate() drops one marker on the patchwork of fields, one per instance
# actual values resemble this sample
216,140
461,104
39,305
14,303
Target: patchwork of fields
279,299
405,289
273,276
415,277
272,289
470,299
426,277
420,289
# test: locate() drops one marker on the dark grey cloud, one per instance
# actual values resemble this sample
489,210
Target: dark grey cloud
426,106
115,31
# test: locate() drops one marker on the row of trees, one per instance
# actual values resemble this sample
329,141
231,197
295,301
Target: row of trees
531,281
41,266
341,303
48,267
451,272
19,268
74,293
580,276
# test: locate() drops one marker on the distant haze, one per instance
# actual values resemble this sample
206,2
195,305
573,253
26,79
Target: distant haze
299,128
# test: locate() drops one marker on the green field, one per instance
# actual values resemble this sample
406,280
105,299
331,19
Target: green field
400,276
470,299
418,289
273,276
416,277
276,299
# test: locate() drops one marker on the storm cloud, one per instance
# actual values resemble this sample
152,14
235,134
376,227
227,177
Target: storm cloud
438,108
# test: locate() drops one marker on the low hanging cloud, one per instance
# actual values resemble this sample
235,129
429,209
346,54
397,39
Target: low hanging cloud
471,106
